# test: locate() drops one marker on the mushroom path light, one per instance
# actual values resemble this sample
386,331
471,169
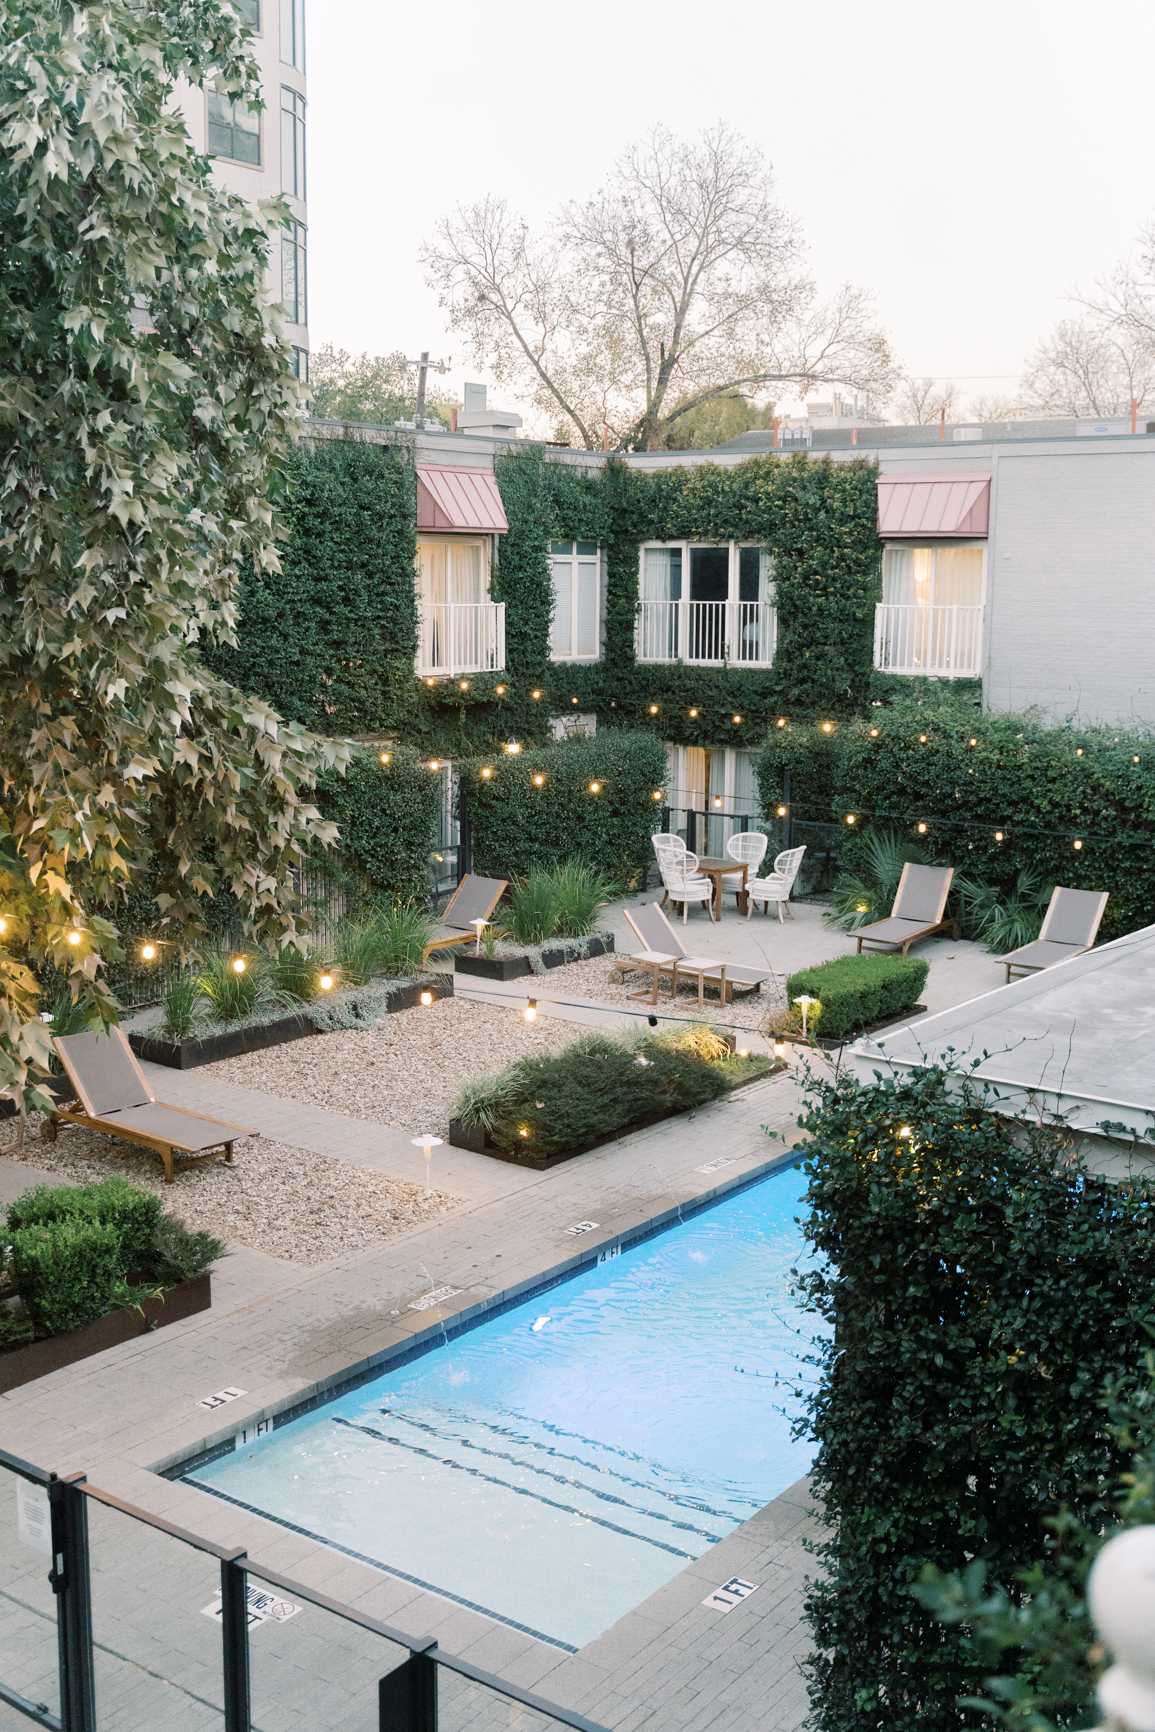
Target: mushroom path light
427,1145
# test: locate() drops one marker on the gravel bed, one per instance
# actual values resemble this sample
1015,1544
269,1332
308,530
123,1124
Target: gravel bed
402,1074
601,979
287,1202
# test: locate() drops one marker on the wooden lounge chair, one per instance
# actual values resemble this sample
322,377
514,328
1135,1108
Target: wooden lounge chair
917,913
116,1099
663,952
1070,926
474,899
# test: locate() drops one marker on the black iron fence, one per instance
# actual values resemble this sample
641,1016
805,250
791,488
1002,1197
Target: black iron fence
136,1651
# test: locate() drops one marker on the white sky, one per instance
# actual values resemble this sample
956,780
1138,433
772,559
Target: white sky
968,162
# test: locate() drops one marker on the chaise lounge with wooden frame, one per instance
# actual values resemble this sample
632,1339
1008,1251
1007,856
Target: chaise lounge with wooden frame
664,953
918,912
113,1093
474,899
1070,926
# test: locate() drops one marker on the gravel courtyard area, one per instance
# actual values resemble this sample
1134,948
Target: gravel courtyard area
601,978
288,1202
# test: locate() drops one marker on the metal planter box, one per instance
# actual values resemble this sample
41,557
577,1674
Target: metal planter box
513,967
21,1364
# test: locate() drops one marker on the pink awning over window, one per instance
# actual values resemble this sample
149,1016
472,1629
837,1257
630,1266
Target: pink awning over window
461,499
927,505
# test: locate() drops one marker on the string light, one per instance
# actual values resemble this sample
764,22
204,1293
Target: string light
148,951
429,682
922,829
657,793
531,1010
535,695
827,727
717,799
905,1131
779,1049
74,937
737,719
573,700
743,1052
694,713
595,787
500,690
385,757
486,773
781,811
433,764
653,709
326,983
781,721
1078,751
874,733
974,742
538,781
3,924
427,998
238,965
1134,760
998,835
850,817
922,739
1078,844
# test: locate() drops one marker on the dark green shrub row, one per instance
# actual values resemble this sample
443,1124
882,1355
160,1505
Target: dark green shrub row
597,1085
79,1251
855,991
387,815
968,777
977,1288
518,824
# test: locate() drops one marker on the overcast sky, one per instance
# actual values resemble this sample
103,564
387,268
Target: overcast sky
968,163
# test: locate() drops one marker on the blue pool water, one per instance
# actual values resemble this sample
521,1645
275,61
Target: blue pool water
555,1465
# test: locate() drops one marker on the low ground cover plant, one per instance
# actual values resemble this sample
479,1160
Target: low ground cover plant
978,1286
600,1083
854,991
72,1253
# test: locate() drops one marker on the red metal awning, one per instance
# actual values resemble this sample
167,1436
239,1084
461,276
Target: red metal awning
928,505
461,499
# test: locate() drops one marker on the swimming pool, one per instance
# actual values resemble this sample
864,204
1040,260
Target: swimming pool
559,1462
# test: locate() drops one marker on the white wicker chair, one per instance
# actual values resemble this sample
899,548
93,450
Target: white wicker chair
685,884
749,848
670,851
776,887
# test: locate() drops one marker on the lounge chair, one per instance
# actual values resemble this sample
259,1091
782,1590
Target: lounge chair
116,1099
777,885
474,899
1069,927
663,952
917,913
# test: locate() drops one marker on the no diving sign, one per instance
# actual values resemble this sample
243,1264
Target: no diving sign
730,1594
262,1607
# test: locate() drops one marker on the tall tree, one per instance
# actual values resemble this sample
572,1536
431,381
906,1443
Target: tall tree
377,388
146,406
921,401
1091,366
679,282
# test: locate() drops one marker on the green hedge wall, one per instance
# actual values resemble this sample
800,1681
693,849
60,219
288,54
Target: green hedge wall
329,640
518,825
1043,788
387,815
978,1288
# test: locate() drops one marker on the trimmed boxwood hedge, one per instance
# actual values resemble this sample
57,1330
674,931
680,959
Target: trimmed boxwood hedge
518,825
855,991
387,815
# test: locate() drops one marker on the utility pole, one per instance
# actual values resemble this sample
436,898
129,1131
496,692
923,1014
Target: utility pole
425,366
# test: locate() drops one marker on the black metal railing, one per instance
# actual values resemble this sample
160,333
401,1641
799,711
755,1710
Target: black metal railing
406,1694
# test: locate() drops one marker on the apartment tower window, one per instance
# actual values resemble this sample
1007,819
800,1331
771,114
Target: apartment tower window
293,274
249,12
293,33
292,142
234,130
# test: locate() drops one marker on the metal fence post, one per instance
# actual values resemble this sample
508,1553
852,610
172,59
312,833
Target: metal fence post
235,1640
69,1576
407,1697
464,832
789,840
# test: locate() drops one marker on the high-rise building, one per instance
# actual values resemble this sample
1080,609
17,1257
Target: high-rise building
260,154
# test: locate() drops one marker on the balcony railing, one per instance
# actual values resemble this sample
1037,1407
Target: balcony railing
928,640
709,632
461,637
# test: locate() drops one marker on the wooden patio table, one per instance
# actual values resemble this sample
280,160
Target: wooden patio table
717,870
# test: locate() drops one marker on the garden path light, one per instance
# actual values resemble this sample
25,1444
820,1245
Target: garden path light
427,1144
805,1001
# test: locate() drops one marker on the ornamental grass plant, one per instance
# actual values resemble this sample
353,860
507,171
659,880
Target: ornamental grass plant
599,1084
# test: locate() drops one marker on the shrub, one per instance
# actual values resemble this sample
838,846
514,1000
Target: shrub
978,1287
68,1272
181,1006
403,931
581,892
856,990
518,826
232,995
181,1255
295,974
598,1084
131,1212
533,908
387,817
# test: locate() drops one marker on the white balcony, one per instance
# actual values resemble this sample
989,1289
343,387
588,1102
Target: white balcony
928,640
460,637
707,633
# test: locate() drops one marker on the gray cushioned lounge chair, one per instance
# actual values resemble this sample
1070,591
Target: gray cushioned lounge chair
1070,926
474,899
663,952
113,1093
917,913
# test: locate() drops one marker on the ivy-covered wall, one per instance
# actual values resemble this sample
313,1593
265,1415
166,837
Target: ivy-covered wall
996,792
386,813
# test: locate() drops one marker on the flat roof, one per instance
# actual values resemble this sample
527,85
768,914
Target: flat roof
1076,1039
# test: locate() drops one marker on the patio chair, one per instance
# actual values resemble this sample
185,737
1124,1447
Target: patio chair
474,899
777,885
684,884
918,910
748,847
663,952
1069,927
115,1097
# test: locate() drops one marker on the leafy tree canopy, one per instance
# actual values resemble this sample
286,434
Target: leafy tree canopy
377,388
146,407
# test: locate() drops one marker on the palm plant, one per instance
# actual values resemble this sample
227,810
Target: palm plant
1004,918
867,893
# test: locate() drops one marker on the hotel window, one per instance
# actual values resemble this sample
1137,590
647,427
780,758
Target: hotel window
301,365
292,142
932,577
454,572
293,33
575,633
234,130
294,286
250,12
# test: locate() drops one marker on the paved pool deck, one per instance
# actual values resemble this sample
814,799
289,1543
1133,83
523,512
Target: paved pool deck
281,1332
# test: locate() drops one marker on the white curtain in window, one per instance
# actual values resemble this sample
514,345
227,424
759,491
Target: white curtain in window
586,635
958,577
662,574
560,631
906,576
432,577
